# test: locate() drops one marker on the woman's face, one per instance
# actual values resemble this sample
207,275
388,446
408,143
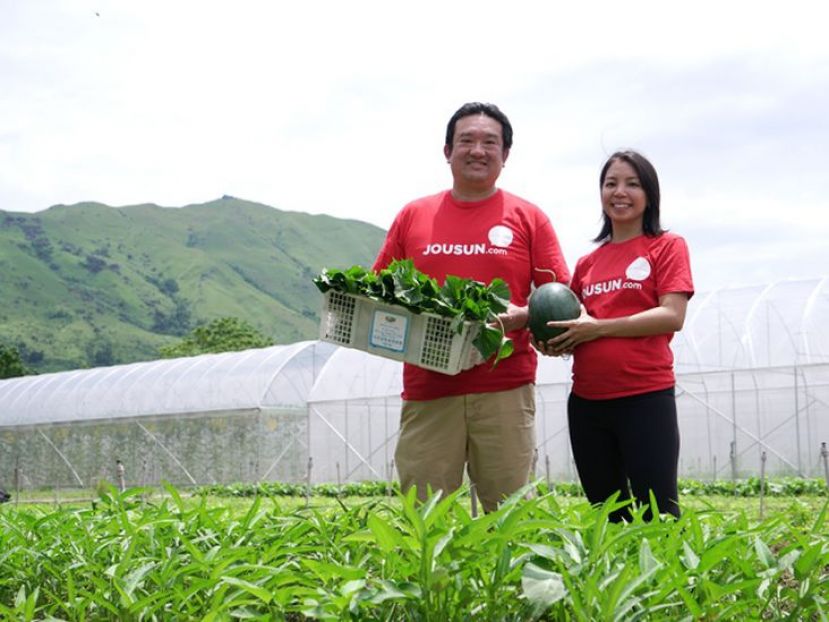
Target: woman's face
623,198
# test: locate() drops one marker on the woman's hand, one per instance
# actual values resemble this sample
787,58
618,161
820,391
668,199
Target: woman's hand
667,317
548,350
582,329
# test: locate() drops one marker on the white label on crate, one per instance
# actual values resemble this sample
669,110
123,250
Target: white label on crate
389,330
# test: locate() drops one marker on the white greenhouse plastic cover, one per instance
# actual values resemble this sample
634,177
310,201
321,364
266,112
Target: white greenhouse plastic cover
755,327
354,374
752,386
741,328
278,377
777,325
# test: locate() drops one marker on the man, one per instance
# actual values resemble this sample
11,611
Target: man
482,417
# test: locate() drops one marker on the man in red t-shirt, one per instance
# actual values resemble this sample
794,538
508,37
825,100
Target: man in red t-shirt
482,417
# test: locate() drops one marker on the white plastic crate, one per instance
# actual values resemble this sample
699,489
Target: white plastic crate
391,331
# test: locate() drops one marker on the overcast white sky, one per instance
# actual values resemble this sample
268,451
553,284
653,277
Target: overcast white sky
340,108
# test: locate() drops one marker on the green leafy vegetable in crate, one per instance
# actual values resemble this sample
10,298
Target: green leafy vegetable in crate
460,299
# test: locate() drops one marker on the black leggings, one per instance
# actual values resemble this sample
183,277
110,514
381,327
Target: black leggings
627,444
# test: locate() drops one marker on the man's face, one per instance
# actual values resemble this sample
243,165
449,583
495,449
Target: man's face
477,153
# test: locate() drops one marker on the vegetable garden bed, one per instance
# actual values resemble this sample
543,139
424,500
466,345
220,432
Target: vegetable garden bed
389,558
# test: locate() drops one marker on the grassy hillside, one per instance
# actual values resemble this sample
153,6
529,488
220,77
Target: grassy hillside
87,284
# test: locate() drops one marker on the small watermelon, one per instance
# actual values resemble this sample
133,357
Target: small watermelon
551,302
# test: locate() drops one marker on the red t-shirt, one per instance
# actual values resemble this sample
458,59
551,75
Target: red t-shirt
617,280
503,236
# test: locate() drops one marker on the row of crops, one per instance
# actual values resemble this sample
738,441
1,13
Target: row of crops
751,487
127,557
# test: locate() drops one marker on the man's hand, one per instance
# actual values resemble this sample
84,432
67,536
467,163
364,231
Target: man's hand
514,318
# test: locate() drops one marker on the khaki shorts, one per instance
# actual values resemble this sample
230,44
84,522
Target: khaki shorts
494,433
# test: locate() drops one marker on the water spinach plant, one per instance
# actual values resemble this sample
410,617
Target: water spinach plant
751,487
461,299
396,559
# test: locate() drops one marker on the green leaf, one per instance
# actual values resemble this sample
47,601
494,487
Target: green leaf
689,558
132,579
396,591
354,585
647,562
808,562
488,341
499,295
542,587
328,571
388,539
505,350
259,592
764,554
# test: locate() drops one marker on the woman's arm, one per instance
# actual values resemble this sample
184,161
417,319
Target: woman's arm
668,317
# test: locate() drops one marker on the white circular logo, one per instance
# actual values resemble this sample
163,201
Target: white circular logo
500,235
638,270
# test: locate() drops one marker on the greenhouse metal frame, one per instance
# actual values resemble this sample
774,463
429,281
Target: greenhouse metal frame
752,395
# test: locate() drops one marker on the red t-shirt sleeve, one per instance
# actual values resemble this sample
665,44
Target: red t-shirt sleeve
393,244
575,282
546,254
673,268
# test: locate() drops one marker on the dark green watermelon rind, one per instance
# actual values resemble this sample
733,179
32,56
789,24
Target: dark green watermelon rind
551,302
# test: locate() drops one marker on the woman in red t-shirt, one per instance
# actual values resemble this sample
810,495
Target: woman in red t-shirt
634,290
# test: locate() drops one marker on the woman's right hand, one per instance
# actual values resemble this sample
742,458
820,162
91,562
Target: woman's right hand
551,348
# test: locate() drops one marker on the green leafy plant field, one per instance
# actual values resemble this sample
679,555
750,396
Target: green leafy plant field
751,487
391,558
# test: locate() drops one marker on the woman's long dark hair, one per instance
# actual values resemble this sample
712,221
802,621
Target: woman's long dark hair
650,184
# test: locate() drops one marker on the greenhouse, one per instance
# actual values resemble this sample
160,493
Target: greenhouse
217,418
752,392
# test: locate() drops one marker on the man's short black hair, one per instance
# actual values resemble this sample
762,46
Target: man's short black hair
490,110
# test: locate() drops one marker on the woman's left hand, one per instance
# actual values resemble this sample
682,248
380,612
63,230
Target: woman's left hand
665,318
582,329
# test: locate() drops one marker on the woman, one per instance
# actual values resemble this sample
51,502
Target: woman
634,290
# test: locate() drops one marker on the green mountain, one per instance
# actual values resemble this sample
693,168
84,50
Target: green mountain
87,285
